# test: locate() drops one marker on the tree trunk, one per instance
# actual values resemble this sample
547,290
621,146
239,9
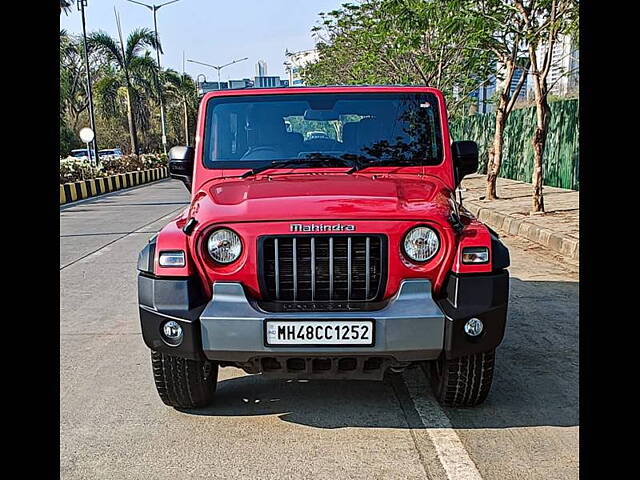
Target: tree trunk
495,160
502,113
539,140
186,122
133,134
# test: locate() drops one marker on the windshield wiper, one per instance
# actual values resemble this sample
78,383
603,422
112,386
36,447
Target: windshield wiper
377,162
274,164
312,161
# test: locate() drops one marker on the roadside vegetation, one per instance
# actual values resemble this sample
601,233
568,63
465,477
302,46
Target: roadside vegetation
74,169
455,46
126,95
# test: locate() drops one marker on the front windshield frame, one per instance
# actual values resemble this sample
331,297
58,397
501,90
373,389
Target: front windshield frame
246,164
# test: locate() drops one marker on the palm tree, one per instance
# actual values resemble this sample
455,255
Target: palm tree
129,67
73,94
66,6
181,89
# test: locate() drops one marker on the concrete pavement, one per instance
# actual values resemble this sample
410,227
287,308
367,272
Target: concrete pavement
558,229
113,424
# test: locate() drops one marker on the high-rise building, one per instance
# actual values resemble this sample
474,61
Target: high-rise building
295,62
261,68
564,77
485,94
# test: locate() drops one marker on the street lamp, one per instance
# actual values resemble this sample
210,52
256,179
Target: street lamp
92,118
219,67
154,9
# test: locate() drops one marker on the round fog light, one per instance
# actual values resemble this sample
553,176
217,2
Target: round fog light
172,332
473,327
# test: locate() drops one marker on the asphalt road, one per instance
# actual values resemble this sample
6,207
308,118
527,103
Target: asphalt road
114,426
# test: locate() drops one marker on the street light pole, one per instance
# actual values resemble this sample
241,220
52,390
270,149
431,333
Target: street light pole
154,9
219,67
92,119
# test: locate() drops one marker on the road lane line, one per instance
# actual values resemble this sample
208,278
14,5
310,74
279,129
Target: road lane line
452,454
137,230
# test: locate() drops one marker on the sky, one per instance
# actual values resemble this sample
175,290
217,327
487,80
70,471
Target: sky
214,31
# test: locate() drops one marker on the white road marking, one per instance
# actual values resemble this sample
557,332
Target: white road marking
452,455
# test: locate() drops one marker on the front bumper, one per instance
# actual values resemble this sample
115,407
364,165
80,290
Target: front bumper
412,326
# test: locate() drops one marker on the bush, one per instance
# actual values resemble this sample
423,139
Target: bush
73,169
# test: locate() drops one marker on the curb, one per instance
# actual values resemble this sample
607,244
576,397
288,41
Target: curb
567,246
71,192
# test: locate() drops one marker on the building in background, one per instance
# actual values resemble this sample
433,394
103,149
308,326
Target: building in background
563,79
244,83
261,68
485,94
256,82
272,81
295,62
564,76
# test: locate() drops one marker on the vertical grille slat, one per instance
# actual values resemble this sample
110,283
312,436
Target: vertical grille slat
349,268
367,262
313,268
323,268
276,255
295,269
330,268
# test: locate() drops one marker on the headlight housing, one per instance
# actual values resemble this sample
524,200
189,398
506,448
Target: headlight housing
421,244
224,246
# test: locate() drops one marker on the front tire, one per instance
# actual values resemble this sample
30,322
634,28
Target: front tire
184,383
463,381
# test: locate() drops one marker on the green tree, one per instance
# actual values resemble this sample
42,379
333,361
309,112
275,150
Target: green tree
543,22
129,68
502,35
65,5
417,42
73,95
181,95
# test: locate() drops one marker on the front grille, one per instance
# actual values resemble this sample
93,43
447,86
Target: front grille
323,268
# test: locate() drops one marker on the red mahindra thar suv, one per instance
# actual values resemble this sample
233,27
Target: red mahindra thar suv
323,240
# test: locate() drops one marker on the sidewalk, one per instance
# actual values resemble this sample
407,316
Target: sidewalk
557,229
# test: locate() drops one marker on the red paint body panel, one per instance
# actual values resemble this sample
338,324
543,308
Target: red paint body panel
379,200
172,238
475,234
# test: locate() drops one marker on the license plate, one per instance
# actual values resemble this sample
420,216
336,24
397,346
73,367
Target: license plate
319,332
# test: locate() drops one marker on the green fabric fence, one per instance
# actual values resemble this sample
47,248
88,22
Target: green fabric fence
561,156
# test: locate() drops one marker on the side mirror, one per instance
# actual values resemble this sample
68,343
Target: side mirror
181,164
465,158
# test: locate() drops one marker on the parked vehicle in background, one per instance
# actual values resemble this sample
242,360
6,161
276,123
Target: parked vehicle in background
110,153
323,257
82,154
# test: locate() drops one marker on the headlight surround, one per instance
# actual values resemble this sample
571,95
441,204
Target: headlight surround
421,244
224,246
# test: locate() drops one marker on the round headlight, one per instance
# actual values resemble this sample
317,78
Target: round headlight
224,246
421,244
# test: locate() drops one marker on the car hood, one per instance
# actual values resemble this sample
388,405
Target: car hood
322,196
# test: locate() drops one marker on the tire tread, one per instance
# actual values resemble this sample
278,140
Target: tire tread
463,381
183,383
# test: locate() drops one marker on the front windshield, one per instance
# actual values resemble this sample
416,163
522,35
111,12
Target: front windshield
388,128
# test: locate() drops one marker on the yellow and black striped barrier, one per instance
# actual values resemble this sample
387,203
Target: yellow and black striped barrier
70,192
